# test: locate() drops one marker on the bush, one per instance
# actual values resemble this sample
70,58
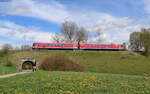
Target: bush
129,55
60,63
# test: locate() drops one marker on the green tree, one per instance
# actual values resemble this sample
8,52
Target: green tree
135,43
145,40
5,54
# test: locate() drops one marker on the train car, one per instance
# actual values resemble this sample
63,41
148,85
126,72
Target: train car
76,46
53,46
94,46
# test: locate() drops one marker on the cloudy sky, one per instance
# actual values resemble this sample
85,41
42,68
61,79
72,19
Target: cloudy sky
27,21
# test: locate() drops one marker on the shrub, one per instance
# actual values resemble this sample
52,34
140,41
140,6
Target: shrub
129,55
60,63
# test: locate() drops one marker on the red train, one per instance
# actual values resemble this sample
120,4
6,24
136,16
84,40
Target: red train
78,46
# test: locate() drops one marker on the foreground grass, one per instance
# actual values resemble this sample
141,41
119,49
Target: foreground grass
7,70
116,62
74,83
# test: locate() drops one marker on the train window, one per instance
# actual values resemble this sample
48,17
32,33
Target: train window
75,45
47,45
91,45
106,45
56,44
66,45
38,44
70,45
96,45
110,45
87,45
101,46
61,44
52,45
34,44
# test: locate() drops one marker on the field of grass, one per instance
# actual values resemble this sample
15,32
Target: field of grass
7,70
116,62
42,82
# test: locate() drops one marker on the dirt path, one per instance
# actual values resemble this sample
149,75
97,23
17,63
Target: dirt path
13,74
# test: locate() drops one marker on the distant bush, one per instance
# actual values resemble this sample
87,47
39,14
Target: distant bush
129,55
60,63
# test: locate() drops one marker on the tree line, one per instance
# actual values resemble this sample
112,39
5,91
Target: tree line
140,41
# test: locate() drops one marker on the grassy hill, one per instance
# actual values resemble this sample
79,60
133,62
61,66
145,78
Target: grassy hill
42,82
120,62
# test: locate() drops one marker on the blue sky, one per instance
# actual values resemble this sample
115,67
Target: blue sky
39,20
119,8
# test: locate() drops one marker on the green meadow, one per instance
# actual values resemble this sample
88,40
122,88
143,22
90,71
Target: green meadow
43,82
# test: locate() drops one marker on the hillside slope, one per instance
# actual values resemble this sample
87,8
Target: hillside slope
120,62
74,83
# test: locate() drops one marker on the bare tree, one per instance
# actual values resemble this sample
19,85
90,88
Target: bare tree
26,47
69,30
99,36
5,50
7,47
71,33
58,38
81,36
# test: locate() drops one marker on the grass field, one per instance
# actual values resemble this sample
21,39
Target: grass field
42,82
7,70
116,62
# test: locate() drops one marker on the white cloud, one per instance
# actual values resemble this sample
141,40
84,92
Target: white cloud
146,5
22,34
114,29
52,11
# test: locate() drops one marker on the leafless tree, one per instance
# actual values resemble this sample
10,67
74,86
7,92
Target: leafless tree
99,37
26,47
7,47
69,30
58,38
81,35
71,33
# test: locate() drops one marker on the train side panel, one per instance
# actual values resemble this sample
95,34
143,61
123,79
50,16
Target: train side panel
55,46
82,46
